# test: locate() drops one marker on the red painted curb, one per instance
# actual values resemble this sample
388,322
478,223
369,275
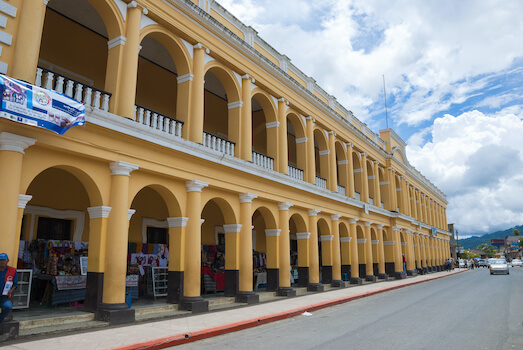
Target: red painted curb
183,338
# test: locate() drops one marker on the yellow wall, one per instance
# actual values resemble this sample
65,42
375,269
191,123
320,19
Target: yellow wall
297,78
156,88
259,132
216,115
73,47
266,54
213,217
321,97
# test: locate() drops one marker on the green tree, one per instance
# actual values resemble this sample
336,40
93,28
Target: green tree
488,249
515,232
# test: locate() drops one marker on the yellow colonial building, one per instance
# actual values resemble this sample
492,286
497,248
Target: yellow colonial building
201,136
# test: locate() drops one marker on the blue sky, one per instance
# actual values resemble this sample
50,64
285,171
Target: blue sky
454,80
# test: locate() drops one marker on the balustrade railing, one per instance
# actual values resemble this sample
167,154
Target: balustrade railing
371,201
295,173
357,195
218,144
341,189
85,93
262,160
320,182
157,121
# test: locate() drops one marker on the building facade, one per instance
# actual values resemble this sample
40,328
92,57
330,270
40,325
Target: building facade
196,126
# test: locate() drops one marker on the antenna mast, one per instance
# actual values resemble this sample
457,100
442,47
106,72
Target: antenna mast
385,97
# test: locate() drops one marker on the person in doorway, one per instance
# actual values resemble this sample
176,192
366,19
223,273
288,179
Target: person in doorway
404,264
8,283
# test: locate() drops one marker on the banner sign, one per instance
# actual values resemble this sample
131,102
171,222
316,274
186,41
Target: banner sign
515,245
434,232
32,105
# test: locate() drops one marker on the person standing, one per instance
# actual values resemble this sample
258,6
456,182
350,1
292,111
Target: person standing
8,283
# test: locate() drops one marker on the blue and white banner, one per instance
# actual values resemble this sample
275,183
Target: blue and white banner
32,105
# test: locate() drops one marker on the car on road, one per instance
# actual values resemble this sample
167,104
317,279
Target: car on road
462,263
482,263
516,262
499,266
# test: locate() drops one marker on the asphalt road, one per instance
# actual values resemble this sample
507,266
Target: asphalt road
471,310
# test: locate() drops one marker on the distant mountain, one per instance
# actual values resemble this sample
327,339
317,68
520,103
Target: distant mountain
473,242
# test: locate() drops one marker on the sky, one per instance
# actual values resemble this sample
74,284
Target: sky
453,74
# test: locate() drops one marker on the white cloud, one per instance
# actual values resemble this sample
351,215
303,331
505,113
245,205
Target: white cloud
430,48
477,160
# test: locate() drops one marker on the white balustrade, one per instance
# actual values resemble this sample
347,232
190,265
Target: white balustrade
322,183
218,144
156,121
341,189
74,89
262,160
295,173
357,195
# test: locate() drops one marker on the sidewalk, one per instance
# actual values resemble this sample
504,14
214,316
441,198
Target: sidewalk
160,334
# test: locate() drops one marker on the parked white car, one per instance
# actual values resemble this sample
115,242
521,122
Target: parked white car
516,262
499,266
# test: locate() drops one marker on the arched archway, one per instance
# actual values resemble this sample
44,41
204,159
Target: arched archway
264,129
384,190
358,174
296,145
371,178
362,253
221,106
341,168
220,237
321,158
265,253
375,252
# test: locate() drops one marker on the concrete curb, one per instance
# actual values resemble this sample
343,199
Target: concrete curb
184,338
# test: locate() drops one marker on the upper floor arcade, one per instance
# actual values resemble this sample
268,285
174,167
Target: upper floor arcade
171,72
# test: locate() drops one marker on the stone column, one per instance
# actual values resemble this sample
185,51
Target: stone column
364,179
246,122
310,173
392,190
411,258
126,96
192,299
232,259
245,293
333,183
350,171
377,193
283,157
22,202
303,258
12,148
195,126
398,264
326,258
336,258
183,101
98,217
176,258
273,259
314,271
355,265
368,254
285,288
27,40
113,307
381,254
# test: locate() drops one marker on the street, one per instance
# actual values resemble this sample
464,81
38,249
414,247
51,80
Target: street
471,310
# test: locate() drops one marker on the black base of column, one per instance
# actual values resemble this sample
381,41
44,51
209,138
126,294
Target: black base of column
273,279
93,291
315,287
441,267
375,269
425,270
9,330
174,286
370,278
326,274
339,284
194,304
389,268
286,292
232,283
345,270
303,276
115,313
429,269
400,275
412,272
434,269
356,280
362,270
247,297
383,276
